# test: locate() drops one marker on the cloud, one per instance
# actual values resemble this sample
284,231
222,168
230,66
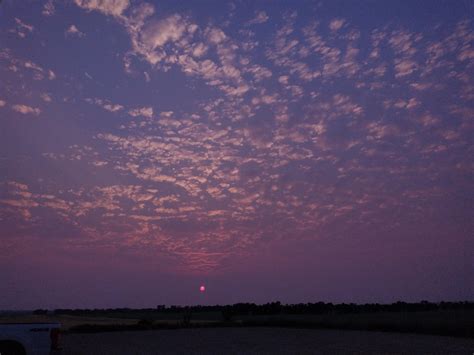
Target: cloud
260,73
23,27
283,79
403,43
169,41
336,24
112,107
148,39
147,76
429,120
380,130
199,50
108,7
138,15
215,35
2,103
466,54
74,31
260,17
263,141
404,67
421,86
158,33
24,109
46,97
105,104
31,65
166,113
48,8
143,111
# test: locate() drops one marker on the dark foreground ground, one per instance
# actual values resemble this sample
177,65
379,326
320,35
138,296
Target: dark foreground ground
261,341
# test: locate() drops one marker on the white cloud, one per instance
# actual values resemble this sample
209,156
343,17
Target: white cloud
108,7
138,15
46,97
403,43
31,65
412,103
215,35
336,24
260,73
466,54
160,32
380,130
260,17
429,120
143,111
23,25
48,8
265,99
74,31
404,67
170,41
148,40
112,107
199,50
283,79
166,113
105,104
39,72
235,91
24,109
421,86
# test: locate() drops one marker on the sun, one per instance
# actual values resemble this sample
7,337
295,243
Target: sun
202,288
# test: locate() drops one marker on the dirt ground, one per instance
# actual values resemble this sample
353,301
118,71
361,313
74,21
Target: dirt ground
261,341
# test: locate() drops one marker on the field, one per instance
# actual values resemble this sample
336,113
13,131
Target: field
67,322
261,341
452,322
459,323
142,332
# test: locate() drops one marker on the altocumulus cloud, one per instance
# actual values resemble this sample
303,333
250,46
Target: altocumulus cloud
278,124
108,7
143,111
74,31
24,109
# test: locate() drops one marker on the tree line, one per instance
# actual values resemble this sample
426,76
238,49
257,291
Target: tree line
276,308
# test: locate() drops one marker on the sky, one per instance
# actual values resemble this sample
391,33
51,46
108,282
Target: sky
270,150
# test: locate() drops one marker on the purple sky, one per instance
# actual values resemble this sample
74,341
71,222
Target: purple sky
295,151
